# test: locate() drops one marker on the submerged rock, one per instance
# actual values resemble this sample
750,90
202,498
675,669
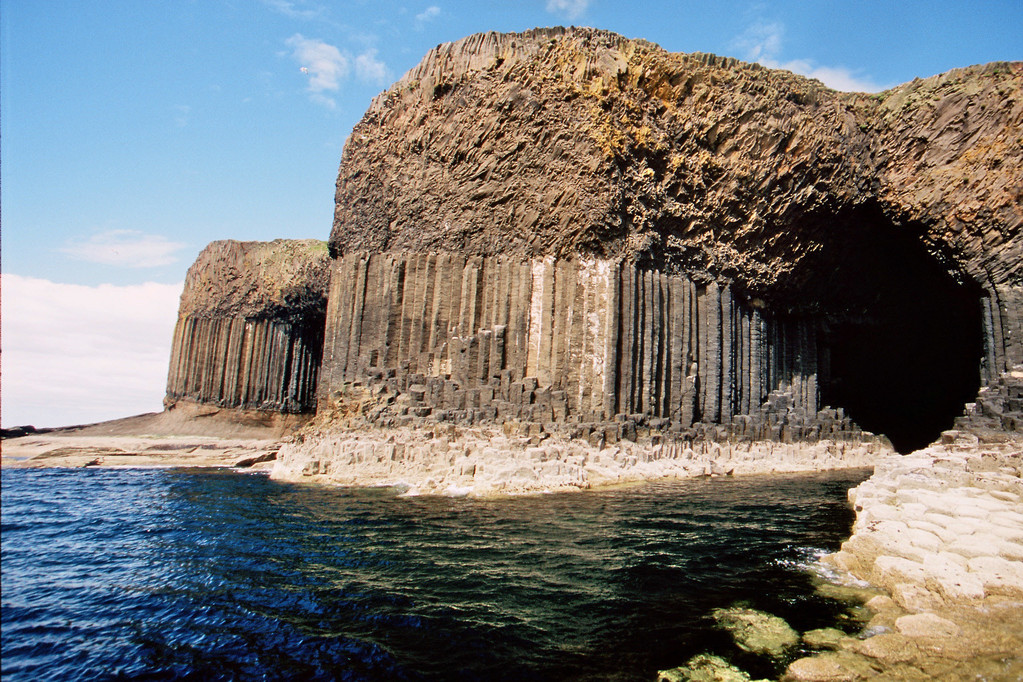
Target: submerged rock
926,625
756,631
888,647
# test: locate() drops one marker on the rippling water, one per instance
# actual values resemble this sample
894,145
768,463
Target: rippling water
166,574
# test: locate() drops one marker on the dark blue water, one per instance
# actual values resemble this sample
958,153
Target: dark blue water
207,575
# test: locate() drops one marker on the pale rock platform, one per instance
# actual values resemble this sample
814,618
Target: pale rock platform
482,461
940,531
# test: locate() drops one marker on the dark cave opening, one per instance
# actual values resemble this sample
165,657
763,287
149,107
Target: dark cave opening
901,334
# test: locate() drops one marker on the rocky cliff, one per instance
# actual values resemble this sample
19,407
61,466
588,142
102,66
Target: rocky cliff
883,228
250,326
577,141
565,226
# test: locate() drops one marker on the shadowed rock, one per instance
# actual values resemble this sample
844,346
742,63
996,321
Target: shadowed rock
704,668
756,631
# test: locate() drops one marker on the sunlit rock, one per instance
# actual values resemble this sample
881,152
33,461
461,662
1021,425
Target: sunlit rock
756,631
704,668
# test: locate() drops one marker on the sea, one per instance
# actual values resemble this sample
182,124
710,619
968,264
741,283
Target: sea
167,574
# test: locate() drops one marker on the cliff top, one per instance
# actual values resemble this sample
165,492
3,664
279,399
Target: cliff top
580,141
282,278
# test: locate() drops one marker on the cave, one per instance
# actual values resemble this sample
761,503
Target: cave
900,329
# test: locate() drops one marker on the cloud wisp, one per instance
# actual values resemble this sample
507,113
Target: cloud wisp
182,113
762,42
125,248
76,354
326,67
289,9
570,9
427,15
322,62
370,69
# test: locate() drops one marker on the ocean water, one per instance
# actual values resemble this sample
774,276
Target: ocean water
159,574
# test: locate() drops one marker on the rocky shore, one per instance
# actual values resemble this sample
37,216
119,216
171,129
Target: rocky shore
186,435
61,450
941,533
517,458
932,573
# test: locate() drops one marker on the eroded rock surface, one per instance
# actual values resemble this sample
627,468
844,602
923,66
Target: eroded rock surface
578,141
281,279
442,459
885,227
250,326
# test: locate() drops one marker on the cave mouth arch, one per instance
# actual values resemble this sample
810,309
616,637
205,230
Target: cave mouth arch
900,331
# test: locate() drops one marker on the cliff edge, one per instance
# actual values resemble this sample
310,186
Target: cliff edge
577,141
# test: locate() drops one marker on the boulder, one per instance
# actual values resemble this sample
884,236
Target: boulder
926,625
704,668
833,666
756,631
824,638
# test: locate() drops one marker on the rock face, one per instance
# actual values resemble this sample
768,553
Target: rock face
577,141
882,230
250,326
568,227
475,339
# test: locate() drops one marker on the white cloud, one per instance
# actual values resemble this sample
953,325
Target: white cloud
77,354
835,77
324,63
428,14
371,69
762,41
327,66
127,248
569,8
320,98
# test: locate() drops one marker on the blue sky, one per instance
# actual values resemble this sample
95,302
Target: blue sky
134,132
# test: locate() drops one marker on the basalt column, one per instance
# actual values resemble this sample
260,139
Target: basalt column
581,340
492,334
250,327
1002,312
261,364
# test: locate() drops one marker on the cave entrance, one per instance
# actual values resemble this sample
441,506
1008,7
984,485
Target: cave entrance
901,335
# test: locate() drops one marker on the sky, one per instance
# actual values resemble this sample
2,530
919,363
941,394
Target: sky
134,132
